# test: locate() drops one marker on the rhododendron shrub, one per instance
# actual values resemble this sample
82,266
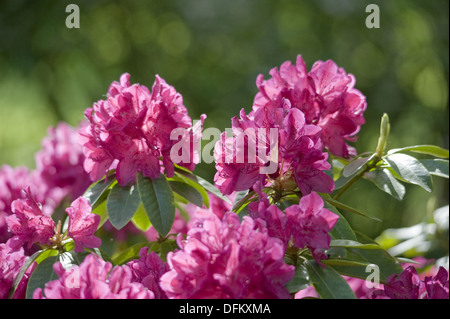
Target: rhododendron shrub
114,209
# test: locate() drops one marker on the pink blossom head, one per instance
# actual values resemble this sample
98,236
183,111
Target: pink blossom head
28,224
270,147
131,130
408,285
310,224
325,94
83,224
148,270
60,162
227,259
93,279
11,261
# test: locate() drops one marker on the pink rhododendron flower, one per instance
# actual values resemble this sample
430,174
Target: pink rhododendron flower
310,224
307,223
93,279
60,162
11,261
227,259
278,144
83,224
28,223
325,94
131,131
148,270
408,285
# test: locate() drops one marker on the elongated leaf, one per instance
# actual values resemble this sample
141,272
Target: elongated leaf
157,199
241,199
383,179
188,192
300,280
328,282
349,209
380,257
122,204
192,181
352,244
133,252
354,166
22,271
96,192
42,274
341,229
410,169
212,189
140,219
422,149
436,166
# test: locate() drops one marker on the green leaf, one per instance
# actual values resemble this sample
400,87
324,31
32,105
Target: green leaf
212,189
384,180
96,193
328,283
410,169
42,274
300,280
341,229
436,166
241,199
122,204
167,246
422,149
387,264
22,271
349,209
188,192
355,166
157,199
101,211
352,244
140,219
133,252
192,181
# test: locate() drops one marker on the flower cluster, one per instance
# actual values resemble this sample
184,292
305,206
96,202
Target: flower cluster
307,223
326,95
30,226
11,261
227,258
93,279
131,131
267,235
59,176
408,285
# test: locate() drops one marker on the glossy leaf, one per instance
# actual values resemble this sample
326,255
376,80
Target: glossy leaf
423,149
436,166
300,280
42,274
384,180
212,189
157,199
122,204
355,166
347,208
341,229
133,252
97,191
328,283
140,219
188,192
410,169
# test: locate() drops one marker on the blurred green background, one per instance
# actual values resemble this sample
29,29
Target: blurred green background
212,51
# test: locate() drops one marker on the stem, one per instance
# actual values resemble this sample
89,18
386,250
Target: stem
350,183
